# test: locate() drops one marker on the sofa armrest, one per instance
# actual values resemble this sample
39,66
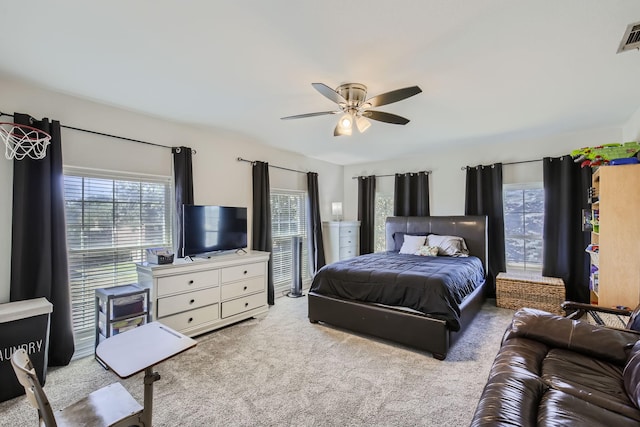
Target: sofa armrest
556,331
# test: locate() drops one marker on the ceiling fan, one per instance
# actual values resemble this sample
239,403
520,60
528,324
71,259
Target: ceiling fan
352,103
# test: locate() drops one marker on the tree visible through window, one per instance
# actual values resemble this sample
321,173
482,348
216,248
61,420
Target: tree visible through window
288,219
523,225
111,220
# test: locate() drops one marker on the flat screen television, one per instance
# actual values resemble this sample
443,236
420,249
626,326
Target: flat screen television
207,229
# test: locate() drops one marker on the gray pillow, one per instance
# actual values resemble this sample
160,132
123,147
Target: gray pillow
448,245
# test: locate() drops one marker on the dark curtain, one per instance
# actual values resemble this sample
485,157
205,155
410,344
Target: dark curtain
39,265
367,212
411,195
261,224
483,196
183,177
314,225
566,185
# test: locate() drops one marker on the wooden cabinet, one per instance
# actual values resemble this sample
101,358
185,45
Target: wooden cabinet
206,294
592,220
341,240
618,205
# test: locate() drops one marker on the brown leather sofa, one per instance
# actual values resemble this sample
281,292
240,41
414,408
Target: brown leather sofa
555,371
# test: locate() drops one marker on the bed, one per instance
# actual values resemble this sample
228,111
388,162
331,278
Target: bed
431,321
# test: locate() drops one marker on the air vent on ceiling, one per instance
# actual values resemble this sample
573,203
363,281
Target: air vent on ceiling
631,38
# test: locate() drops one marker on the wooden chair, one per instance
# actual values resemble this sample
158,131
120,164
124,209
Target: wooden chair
627,319
109,406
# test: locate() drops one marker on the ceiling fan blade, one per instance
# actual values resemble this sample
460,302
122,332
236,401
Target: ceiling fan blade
393,96
386,117
302,116
329,93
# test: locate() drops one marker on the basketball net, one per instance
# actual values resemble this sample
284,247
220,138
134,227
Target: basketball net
23,141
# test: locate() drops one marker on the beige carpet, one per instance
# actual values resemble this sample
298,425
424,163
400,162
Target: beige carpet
280,370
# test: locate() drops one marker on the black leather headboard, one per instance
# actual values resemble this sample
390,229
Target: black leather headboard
472,228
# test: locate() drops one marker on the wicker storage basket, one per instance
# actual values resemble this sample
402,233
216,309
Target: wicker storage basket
517,290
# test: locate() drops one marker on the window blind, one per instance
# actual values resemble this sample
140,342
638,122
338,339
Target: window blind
288,219
111,220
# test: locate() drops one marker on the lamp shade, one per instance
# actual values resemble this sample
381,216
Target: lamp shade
336,208
362,124
344,126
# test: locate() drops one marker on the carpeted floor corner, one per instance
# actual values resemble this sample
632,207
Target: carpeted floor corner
281,370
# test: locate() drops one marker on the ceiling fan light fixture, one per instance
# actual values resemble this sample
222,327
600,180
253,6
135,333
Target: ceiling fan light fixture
346,121
362,124
344,126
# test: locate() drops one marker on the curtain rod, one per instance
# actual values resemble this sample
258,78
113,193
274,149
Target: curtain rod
106,134
240,159
507,163
384,176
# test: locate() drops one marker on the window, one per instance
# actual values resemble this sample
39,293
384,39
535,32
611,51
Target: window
384,209
111,220
288,219
523,225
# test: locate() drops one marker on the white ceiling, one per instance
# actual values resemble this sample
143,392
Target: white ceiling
490,70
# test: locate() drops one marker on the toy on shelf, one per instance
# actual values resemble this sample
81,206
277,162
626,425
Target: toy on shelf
605,154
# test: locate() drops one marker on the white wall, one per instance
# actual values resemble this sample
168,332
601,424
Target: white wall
218,177
631,130
447,181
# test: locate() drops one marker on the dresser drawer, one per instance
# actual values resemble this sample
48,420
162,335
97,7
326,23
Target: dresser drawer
185,282
348,252
245,287
187,301
348,231
191,318
231,274
348,241
229,308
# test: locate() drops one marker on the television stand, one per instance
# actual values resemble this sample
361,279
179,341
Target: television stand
207,294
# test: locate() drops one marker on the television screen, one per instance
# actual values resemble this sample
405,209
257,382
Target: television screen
213,228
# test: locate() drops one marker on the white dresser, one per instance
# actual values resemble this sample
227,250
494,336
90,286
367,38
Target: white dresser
341,240
194,297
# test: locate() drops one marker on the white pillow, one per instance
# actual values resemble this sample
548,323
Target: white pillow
448,245
412,244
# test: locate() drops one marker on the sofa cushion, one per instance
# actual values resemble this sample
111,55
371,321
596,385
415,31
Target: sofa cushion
509,399
558,408
631,375
592,380
514,387
520,355
557,331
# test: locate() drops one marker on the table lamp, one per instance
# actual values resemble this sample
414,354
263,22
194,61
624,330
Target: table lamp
336,210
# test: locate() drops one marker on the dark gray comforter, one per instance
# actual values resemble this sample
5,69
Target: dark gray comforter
434,286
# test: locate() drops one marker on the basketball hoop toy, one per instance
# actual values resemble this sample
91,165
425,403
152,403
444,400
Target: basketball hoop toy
23,141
